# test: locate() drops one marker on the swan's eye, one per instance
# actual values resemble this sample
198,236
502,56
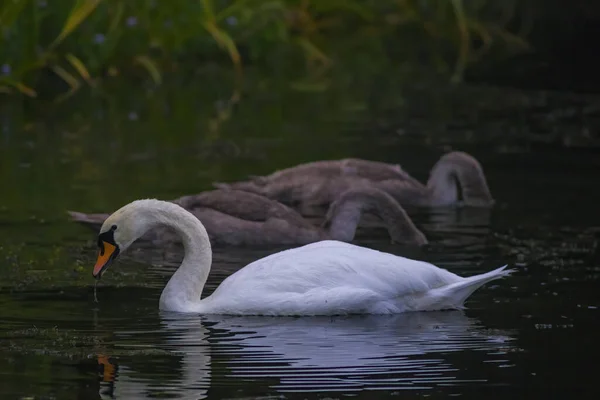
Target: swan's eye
107,237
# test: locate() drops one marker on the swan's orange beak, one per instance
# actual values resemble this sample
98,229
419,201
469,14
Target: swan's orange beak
108,252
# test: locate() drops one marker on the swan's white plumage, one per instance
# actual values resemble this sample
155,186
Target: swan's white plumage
332,277
323,278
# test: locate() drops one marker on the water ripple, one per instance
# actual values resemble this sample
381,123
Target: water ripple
317,354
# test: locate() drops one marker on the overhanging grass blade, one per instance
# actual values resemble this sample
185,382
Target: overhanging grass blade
313,51
80,11
21,87
116,19
224,40
79,66
465,40
67,77
151,67
208,10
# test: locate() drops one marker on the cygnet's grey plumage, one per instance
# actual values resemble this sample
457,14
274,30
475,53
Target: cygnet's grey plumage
456,179
236,217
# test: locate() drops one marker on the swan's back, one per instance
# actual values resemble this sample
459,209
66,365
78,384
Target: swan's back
372,170
319,182
327,275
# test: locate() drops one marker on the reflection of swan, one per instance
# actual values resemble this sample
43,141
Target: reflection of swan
189,379
312,353
324,278
355,341
352,353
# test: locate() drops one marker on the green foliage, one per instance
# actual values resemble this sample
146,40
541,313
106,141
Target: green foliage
83,41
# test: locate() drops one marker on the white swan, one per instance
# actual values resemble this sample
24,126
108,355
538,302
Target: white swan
323,278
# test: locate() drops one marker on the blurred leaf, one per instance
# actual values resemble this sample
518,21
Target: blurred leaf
219,35
224,40
151,67
116,19
73,83
310,86
484,35
271,32
21,87
66,76
313,51
356,7
79,66
465,40
9,11
112,71
80,11
208,10
235,7
510,38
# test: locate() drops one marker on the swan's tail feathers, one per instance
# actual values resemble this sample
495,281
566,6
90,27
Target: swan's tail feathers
93,221
453,296
458,293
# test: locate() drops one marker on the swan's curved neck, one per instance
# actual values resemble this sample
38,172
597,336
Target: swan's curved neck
184,289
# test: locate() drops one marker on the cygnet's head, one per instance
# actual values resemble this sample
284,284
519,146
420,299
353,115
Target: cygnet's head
458,178
345,212
119,231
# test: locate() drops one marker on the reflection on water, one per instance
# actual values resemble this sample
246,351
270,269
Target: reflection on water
529,336
354,353
517,336
185,340
307,354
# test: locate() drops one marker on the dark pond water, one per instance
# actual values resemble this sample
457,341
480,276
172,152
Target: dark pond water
533,335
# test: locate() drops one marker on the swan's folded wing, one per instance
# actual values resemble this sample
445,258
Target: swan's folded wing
330,271
374,170
325,168
243,205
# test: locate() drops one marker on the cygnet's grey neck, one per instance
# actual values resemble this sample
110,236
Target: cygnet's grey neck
458,177
344,220
443,183
344,216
